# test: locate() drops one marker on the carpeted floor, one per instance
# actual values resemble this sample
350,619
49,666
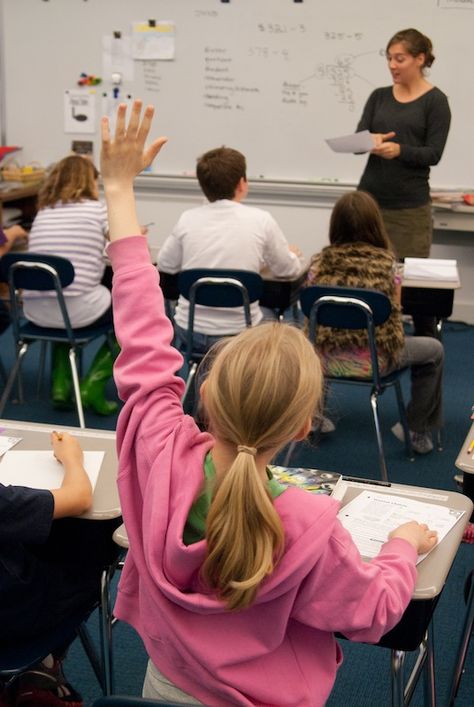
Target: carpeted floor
364,678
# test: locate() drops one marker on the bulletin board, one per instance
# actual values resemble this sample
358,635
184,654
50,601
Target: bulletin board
272,78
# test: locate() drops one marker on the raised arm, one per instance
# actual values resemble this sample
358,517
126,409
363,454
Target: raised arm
145,369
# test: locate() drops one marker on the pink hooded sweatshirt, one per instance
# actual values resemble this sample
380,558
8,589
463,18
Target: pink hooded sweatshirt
281,650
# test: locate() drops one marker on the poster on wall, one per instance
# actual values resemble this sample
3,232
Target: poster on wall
79,111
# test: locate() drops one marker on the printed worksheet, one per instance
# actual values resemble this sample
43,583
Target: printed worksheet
371,516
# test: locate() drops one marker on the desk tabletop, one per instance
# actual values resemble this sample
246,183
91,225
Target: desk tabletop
434,569
432,284
11,191
35,436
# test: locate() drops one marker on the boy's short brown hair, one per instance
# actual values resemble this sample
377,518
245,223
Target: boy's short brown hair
219,171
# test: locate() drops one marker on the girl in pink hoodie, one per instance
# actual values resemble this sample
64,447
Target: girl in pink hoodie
235,584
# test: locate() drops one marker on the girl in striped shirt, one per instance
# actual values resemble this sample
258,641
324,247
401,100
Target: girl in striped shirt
72,222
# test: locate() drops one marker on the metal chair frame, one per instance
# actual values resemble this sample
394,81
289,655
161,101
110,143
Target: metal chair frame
215,288
34,271
20,658
464,639
358,308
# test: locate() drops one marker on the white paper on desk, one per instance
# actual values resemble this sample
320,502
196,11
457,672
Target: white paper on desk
430,269
357,142
371,516
7,443
40,470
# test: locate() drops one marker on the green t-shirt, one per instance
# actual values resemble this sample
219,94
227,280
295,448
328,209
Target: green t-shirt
195,527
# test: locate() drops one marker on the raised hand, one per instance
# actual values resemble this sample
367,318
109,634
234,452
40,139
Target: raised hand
126,155
122,158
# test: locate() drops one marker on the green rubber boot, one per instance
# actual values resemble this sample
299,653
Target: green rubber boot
61,378
93,384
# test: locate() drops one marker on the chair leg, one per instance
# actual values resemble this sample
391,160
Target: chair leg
189,382
90,651
463,644
375,413
289,453
42,358
404,422
75,384
106,623
3,372
13,376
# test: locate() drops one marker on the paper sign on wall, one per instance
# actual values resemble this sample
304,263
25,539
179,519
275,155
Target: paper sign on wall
153,40
79,111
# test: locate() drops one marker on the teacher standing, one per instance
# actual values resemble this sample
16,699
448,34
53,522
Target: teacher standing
410,122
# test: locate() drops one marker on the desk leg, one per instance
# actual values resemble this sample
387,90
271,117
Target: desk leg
401,694
398,664
429,670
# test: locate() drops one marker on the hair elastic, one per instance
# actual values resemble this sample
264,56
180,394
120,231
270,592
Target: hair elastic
247,450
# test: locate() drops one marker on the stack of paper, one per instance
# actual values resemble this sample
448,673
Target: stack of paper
430,269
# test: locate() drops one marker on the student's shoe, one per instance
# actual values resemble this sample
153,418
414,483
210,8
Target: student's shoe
323,425
44,686
468,536
420,441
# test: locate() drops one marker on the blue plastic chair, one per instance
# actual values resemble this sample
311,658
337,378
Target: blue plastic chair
46,273
358,308
215,288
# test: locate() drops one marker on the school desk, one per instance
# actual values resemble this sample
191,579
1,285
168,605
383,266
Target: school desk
22,196
36,436
430,298
279,293
414,630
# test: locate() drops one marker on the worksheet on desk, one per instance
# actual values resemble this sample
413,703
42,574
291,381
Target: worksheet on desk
371,516
41,470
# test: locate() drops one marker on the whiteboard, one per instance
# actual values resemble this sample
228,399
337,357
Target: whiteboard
271,78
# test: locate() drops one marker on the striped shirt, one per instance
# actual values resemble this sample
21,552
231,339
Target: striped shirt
75,231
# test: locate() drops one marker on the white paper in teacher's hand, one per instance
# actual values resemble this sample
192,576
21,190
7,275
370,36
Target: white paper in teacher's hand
41,470
357,142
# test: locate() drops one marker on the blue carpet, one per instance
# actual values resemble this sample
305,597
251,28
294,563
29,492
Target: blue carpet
364,678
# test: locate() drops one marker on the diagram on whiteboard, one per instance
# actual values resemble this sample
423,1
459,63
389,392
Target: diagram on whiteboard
341,75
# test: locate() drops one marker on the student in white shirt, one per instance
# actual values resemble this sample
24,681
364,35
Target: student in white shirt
224,234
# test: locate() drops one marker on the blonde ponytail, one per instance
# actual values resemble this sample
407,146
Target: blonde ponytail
262,387
244,534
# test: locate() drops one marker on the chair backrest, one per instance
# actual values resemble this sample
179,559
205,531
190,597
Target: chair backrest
35,271
347,308
218,288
